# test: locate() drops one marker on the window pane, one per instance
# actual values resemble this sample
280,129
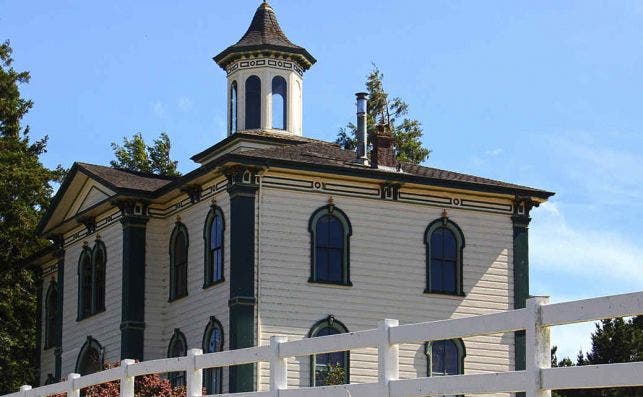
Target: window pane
436,275
322,231
233,107
448,276
321,264
335,265
437,358
253,103
450,358
450,250
436,243
336,233
279,106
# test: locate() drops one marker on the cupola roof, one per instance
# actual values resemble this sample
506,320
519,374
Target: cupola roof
264,35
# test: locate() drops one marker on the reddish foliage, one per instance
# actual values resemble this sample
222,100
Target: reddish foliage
144,386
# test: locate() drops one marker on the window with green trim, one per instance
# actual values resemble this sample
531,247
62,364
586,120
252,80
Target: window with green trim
445,357
91,280
179,243
329,368
90,358
444,248
51,315
178,347
213,243
330,231
213,342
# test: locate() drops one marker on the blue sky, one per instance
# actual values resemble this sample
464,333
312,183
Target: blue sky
546,94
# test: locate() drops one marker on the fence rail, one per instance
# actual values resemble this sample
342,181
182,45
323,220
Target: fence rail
536,380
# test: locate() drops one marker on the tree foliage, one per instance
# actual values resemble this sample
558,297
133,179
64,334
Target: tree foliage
25,191
407,133
614,341
144,386
135,155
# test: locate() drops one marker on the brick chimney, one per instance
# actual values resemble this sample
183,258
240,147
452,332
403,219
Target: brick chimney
383,154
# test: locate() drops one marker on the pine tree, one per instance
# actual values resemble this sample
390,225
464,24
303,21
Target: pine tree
25,192
407,133
135,155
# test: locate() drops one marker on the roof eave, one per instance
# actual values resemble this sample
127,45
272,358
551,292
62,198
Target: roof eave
232,53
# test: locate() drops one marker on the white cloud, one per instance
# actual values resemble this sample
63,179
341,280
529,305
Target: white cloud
494,152
185,104
603,256
159,109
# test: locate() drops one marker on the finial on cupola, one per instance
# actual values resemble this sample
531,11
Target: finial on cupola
264,61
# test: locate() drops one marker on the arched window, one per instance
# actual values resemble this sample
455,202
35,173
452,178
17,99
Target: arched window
445,357
333,368
51,315
444,247
177,348
330,232
90,358
213,243
85,278
253,103
213,342
91,280
179,261
279,103
98,261
233,107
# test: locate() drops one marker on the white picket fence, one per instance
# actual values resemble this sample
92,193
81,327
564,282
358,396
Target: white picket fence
537,380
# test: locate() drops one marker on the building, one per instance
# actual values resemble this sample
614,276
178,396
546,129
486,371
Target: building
275,233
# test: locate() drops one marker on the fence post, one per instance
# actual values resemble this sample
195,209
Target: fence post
25,390
194,376
71,390
538,349
278,366
388,356
127,382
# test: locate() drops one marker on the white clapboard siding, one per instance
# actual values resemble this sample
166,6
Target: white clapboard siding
388,274
47,357
190,314
105,326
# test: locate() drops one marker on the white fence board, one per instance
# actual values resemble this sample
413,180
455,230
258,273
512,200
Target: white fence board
233,357
327,344
592,309
486,324
593,376
459,384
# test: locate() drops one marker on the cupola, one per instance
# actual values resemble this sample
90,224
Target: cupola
265,77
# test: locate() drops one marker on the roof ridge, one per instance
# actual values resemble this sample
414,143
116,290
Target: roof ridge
133,172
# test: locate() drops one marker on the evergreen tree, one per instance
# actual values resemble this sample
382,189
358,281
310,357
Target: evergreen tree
135,155
407,133
25,192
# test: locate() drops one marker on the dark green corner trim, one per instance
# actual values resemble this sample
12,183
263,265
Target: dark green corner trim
133,283
39,324
60,280
242,191
520,220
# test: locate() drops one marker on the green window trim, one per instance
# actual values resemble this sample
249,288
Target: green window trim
177,378
331,210
329,322
92,273
91,346
213,373
445,222
209,278
51,316
175,293
462,353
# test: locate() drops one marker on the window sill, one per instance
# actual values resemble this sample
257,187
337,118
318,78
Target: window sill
213,283
176,298
445,294
91,315
330,283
